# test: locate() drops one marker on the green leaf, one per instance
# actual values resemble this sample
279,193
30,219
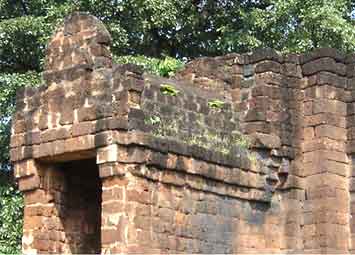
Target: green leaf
168,89
216,104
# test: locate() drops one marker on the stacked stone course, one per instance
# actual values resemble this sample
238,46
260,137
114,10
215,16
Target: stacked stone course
110,162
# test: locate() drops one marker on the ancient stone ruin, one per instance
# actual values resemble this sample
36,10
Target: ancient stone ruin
240,153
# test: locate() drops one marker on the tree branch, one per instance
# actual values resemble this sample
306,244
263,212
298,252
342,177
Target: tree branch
24,7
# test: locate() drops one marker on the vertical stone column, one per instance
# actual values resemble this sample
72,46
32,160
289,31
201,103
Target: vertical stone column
271,98
28,177
43,230
352,206
325,162
127,220
113,211
291,182
351,144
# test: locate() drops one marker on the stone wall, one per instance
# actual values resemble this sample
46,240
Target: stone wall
241,153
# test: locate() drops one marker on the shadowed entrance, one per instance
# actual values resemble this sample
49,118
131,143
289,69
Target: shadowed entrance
81,202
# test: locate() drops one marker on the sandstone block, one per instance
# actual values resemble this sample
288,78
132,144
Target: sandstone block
110,236
107,154
29,183
268,66
331,132
25,168
260,140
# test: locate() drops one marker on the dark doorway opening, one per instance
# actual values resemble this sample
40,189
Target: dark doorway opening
82,206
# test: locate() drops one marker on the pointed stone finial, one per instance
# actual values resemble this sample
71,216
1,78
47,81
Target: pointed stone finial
81,43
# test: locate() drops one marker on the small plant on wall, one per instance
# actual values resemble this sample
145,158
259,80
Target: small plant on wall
152,120
168,89
216,104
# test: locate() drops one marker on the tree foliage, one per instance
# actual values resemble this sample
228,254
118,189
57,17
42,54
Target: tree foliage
296,26
180,28
163,67
11,213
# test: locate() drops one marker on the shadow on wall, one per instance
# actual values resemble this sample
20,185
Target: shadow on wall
79,205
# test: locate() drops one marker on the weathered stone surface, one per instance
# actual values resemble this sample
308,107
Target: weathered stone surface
260,140
240,153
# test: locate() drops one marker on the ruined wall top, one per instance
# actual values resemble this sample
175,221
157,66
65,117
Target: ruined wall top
270,135
205,113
